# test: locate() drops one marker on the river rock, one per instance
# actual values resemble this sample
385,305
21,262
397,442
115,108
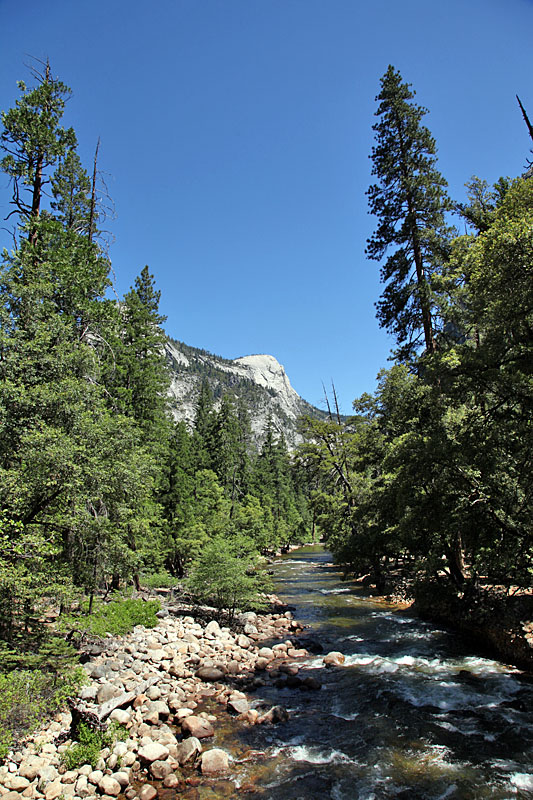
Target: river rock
289,669
47,774
110,786
147,792
153,752
197,726
266,652
53,790
275,715
107,692
160,769
334,659
210,674
121,716
31,768
213,628
239,705
214,761
188,749
95,776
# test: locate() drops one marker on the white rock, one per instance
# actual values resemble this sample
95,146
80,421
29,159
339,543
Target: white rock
153,752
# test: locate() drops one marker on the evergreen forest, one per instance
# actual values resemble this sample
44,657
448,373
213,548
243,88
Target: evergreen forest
428,483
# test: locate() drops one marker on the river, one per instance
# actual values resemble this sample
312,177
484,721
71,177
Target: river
414,712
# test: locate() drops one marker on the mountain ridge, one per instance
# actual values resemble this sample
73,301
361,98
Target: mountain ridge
259,379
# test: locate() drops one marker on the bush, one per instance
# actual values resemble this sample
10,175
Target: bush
27,697
118,616
224,575
91,743
159,580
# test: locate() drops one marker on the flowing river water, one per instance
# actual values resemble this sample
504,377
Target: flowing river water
414,712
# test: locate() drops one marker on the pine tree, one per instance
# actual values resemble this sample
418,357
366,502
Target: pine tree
409,201
141,371
33,140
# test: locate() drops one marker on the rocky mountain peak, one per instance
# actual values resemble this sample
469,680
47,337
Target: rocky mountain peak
260,380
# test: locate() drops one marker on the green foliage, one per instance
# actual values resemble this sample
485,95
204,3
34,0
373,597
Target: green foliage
27,697
118,616
225,575
159,580
90,743
409,201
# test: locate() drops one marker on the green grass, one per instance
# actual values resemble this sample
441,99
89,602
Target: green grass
118,617
159,580
91,743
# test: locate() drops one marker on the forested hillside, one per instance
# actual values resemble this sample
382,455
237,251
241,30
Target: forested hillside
99,487
259,381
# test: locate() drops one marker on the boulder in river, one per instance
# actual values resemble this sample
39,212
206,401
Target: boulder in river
334,659
198,727
214,761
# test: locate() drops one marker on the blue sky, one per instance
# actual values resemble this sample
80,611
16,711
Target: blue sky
235,137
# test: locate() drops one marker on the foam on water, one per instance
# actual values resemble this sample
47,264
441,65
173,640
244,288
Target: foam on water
522,781
312,754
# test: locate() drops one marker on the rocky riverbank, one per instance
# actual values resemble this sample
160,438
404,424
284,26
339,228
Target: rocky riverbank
154,683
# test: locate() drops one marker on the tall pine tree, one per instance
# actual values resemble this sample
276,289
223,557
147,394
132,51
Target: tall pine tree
409,200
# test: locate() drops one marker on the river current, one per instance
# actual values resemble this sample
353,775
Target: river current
414,712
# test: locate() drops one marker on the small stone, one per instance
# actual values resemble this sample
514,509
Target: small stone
188,749
333,659
18,784
171,781
30,769
196,726
266,652
160,769
95,776
210,674
46,775
107,692
70,776
214,761
181,713
128,759
53,790
249,628
122,778
147,792
153,752
239,706
213,628
110,786
120,716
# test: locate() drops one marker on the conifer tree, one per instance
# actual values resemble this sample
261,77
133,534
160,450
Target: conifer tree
409,200
33,140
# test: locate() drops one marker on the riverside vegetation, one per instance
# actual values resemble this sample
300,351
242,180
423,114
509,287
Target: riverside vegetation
426,489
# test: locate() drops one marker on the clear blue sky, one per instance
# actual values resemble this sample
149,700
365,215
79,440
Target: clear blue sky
235,136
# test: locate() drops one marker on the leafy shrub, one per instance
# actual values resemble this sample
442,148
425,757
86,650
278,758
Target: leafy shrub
28,696
118,616
159,580
224,574
91,742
